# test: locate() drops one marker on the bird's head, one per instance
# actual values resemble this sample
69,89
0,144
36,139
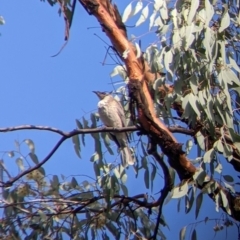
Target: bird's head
101,95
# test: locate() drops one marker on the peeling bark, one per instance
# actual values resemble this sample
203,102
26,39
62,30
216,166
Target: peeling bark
140,75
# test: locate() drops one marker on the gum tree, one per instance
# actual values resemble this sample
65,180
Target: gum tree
186,82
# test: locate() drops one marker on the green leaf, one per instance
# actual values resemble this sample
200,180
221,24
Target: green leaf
180,190
229,186
153,174
137,8
30,144
93,120
146,178
76,143
79,124
157,4
168,58
96,169
2,167
138,50
189,145
119,70
194,235
95,157
74,182
34,157
207,41
116,172
224,199
228,178
2,21
218,168
191,200
85,123
144,163
182,234
192,12
200,140
98,146
11,154
234,64
225,22
143,146
124,189
193,102
55,182
164,12
194,84
199,176
127,12
42,171
17,145
124,178
208,156
187,203
209,12
172,174
198,204
106,141
19,162
179,205
151,19
143,16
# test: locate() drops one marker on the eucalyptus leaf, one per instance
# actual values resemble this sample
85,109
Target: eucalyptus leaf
127,12
228,178
19,162
198,204
182,234
76,143
208,156
194,235
180,190
225,22
30,144
143,17
193,10
146,178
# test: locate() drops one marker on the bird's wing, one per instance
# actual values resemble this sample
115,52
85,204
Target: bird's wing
120,112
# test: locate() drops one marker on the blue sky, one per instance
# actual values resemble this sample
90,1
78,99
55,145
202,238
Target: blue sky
40,90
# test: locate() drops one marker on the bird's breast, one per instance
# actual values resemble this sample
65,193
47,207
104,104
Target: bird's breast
109,114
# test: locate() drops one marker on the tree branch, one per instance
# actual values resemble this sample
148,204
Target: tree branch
14,179
175,129
168,181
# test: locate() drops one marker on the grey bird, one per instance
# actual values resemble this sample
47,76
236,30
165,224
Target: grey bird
112,115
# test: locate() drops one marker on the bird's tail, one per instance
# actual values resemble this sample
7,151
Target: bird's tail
126,156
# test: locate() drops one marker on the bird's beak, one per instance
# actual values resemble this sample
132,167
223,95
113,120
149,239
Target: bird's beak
99,94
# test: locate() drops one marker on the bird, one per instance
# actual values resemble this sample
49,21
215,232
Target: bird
112,114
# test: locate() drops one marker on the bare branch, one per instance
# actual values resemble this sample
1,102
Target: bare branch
175,129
